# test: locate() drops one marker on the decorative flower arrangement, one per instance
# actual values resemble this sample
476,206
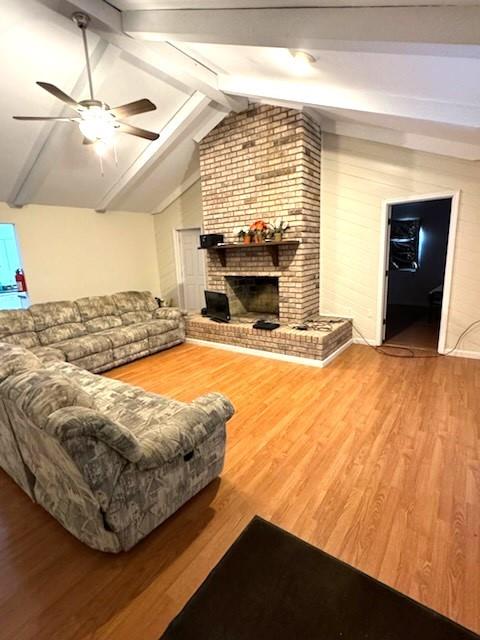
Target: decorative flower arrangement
259,228
278,228
259,231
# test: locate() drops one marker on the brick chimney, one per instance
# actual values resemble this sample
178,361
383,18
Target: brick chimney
264,163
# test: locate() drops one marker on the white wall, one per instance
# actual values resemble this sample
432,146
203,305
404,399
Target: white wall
68,252
185,212
357,176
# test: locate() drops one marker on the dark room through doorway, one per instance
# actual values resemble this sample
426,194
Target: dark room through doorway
417,256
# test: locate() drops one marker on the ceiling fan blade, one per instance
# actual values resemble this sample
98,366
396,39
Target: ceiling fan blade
59,119
58,93
133,108
136,131
88,141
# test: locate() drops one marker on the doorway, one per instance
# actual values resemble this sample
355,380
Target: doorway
10,261
418,260
190,269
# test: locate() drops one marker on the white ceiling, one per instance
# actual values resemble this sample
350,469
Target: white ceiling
421,94
427,77
433,96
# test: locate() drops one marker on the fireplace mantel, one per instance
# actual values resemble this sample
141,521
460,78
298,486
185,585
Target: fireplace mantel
272,248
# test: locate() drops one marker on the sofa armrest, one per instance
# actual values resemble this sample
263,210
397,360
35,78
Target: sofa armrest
99,457
72,423
185,430
169,313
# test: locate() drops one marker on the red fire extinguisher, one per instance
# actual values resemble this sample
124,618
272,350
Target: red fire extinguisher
20,280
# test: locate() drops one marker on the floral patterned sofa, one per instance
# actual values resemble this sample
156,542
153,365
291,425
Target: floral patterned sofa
108,460
95,333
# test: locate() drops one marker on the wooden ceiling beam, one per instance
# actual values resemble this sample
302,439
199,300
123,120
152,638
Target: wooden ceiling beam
382,29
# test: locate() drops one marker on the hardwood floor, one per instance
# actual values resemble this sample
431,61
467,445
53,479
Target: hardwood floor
376,460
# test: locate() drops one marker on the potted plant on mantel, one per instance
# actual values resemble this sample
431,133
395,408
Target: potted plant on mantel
244,234
260,230
277,229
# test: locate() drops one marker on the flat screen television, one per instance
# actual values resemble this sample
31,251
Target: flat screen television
218,308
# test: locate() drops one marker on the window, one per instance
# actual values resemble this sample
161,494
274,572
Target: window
404,244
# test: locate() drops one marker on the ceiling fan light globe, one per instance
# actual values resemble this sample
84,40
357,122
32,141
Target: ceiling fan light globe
102,147
88,129
97,124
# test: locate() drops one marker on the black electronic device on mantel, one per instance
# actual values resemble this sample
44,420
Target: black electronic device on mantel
208,240
218,308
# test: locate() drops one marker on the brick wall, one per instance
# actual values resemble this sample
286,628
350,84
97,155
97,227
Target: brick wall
265,163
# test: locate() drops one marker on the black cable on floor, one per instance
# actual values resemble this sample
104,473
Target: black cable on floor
411,353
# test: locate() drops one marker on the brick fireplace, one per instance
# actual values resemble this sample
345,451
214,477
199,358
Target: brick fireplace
264,163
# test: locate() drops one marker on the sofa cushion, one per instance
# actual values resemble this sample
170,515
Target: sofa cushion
158,327
83,346
169,313
15,359
17,327
148,300
57,321
98,313
165,340
39,393
135,306
106,392
122,336
48,354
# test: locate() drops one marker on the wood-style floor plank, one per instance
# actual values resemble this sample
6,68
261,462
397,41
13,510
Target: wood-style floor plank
374,459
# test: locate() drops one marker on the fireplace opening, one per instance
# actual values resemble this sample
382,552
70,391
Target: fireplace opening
253,297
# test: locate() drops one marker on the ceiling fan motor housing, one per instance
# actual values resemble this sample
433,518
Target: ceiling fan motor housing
81,19
88,104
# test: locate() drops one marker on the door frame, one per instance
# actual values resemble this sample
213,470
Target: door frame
454,196
177,250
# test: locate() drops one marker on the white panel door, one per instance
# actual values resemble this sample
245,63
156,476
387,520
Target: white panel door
192,265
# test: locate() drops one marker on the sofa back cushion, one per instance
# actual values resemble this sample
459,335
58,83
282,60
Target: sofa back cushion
15,359
135,306
57,321
39,393
17,327
98,313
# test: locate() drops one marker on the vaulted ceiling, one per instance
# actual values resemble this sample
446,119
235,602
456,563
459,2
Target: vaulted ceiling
395,72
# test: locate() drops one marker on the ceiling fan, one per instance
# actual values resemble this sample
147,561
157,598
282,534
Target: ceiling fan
96,120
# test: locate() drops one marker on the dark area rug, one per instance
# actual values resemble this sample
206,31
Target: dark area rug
271,585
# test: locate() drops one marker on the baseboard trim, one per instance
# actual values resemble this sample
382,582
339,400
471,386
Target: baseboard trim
319,364
459,353
366,342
